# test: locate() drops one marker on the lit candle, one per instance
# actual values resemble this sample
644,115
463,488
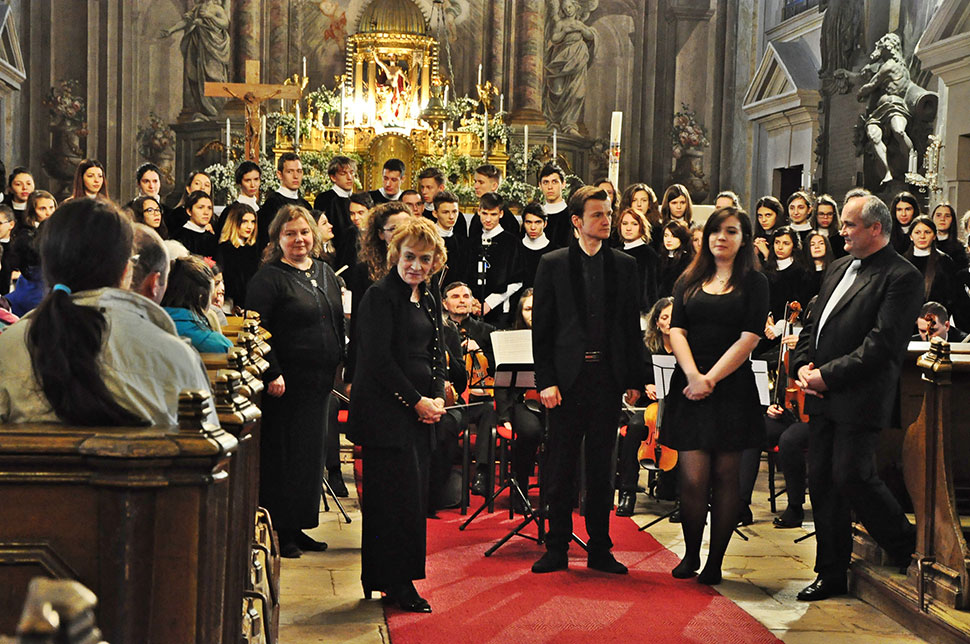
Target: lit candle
228,140
555,145
479,73
262,135
296,143
446,95
616,128
501,103
486,135
304,67
525,153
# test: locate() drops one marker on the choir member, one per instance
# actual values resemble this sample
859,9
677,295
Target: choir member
195,233
827,223
801,211
785,271
604,183
412,199
446,214
248,179
551,182
946,236
535,243
7,224
198,181
939,273
30,287
494,261
431,183
392,174
289,171
725,199
326,251
641,198
677,253
904,209
770,216
335,204
237,253
146,210
19,186
820,256
677,205
89,180
635,234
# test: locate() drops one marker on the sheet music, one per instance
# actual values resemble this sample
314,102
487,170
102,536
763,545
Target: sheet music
760,369
512,347
663,371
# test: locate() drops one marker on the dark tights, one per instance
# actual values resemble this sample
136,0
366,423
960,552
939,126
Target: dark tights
707,476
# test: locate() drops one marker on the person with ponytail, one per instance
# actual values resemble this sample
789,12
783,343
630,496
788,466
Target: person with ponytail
92,353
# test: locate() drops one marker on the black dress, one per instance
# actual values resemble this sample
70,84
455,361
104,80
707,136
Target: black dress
731,417
238,264
302,309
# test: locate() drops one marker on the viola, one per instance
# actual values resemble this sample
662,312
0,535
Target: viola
653,455
793,398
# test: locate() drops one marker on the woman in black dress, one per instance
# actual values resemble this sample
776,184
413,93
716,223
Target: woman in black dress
786,275
237,252
635,237
676,256
818,257
298,300
939,273
946,235
398,396
713,411
771,216
827,223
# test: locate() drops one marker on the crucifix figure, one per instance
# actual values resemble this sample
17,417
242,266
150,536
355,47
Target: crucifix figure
252,94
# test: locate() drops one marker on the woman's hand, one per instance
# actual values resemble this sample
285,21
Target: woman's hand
762,245
430,411
698,387
770,328
651,391
276,387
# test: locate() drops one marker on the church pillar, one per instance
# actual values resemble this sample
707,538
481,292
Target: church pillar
527,99
277,41
497,46
246,16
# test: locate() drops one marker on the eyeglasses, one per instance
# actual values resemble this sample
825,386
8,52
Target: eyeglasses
150,210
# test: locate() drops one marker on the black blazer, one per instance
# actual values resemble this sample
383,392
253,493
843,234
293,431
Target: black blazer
383,398
862,344
559,319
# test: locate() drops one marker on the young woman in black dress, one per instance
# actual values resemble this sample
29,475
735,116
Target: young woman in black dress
818,257
947,240
713,411
237,252
904,209
785,272
146,210
398,396
676,254
939,273
771,216
827,223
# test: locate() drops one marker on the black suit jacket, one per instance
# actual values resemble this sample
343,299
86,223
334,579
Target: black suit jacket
559,319
862,344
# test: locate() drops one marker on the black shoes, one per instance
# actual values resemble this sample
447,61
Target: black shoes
604,562
790,518
745,517
624,508
686,569
822,588
478,484
710,576
290,550
303,542
336,481
406,596
551,562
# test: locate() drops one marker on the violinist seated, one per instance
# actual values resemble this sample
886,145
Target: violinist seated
934,322
446,452
521,412
477,353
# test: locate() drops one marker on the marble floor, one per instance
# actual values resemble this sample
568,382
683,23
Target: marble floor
322,601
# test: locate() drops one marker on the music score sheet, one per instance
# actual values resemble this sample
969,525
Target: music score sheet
513,356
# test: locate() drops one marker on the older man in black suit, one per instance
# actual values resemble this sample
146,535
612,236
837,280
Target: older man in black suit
587,350
848,358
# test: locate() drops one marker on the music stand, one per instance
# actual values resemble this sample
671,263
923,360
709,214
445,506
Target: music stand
663,371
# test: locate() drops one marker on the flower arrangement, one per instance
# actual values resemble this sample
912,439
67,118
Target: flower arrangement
155,137
687,133
66,107
326,101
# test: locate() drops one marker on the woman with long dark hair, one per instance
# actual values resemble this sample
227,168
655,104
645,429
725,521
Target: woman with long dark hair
198,180
947,241
635,237
74,360
771,215
25,255
818,257
785,271
801,213
675,256
827,223
713,411
147,210
939,273
196,233
89,180
19,186
904,209
190,285
643,199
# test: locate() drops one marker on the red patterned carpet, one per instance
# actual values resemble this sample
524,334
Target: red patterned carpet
498,600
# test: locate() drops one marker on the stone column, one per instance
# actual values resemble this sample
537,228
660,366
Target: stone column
527,97
277,41
246,16
496,54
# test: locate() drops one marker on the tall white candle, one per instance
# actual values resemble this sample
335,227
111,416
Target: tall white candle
555,145
486,135
304,67
616,129
501,103
296,144
479,73
228,140
446,95
525,153
262,135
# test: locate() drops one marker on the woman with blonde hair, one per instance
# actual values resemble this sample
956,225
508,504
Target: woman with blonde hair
238,253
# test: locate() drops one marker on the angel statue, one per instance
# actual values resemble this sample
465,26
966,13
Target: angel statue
567,61
205,50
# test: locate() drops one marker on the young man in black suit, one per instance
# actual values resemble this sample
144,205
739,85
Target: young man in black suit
335,204
559,229
934,322
446,215
289,170
391,176
587,350
493,262
848,360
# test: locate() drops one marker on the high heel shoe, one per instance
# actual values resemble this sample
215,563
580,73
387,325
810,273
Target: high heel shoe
408,599
686,569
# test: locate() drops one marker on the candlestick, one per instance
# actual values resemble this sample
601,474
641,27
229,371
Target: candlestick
228,140
555,145
341,115
262,134
296,141
479,73
525,154
616,129
486,136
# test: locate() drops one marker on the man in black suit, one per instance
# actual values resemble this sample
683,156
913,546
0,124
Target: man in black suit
289,170
335,204
391,176
848,360
587,350
492,262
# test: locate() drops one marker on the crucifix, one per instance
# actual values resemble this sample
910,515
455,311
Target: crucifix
252,94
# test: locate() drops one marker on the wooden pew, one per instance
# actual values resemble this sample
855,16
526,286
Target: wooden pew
57,611
933,598
138,515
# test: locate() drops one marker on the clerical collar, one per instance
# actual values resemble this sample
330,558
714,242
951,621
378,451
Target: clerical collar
249,201
785,263
341,192
18,206
445,232
553,208
194,227
819,268
802,227
538,243
488,235
289,194
633,244
390,197
922,252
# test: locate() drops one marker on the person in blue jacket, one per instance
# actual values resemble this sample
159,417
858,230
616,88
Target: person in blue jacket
189,290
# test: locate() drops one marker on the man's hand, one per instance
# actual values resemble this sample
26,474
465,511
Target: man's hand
428,410
774,411
550,397
810,379
276,387
770,328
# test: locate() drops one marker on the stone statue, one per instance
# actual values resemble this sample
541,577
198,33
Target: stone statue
205,50
567,61
841,34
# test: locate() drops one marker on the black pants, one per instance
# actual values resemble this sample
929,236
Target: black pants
792,440
528,435
443,457
842,474
590,410
629,466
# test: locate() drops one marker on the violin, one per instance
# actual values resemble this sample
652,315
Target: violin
793,398
652,455
476,366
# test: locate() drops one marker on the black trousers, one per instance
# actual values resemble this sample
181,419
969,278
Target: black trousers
792,440
629,465
842,475
589,410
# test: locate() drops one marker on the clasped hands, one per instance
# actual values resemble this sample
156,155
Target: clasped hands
810,380
430,410
699,386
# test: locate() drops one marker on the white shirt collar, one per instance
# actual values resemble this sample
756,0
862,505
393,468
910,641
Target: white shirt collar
289,194
194,227
492,234
391,197
18,206
824,232
249,201
785,263
341,192
554,208
429,207
802,227
535,244
942,236
906,228
444,233
920,252
633,244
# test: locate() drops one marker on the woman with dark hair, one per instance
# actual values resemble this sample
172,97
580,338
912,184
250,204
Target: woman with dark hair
827,224
939,273
327,251
947,241
801,213
186,300
819,255
146,210
641,198
398,396
676,256
237,252
785,271
904,209
771,215
677,205
635,237
298,300
198,180
89,180
93,353
19,186
713,411
606,184
195,234
25,256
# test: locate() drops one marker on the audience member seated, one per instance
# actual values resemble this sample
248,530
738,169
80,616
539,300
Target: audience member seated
934,322
29,289
187,298
149,263
93,353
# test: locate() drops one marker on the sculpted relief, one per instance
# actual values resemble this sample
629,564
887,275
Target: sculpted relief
568,54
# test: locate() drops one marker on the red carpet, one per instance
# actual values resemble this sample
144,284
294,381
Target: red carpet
497,599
